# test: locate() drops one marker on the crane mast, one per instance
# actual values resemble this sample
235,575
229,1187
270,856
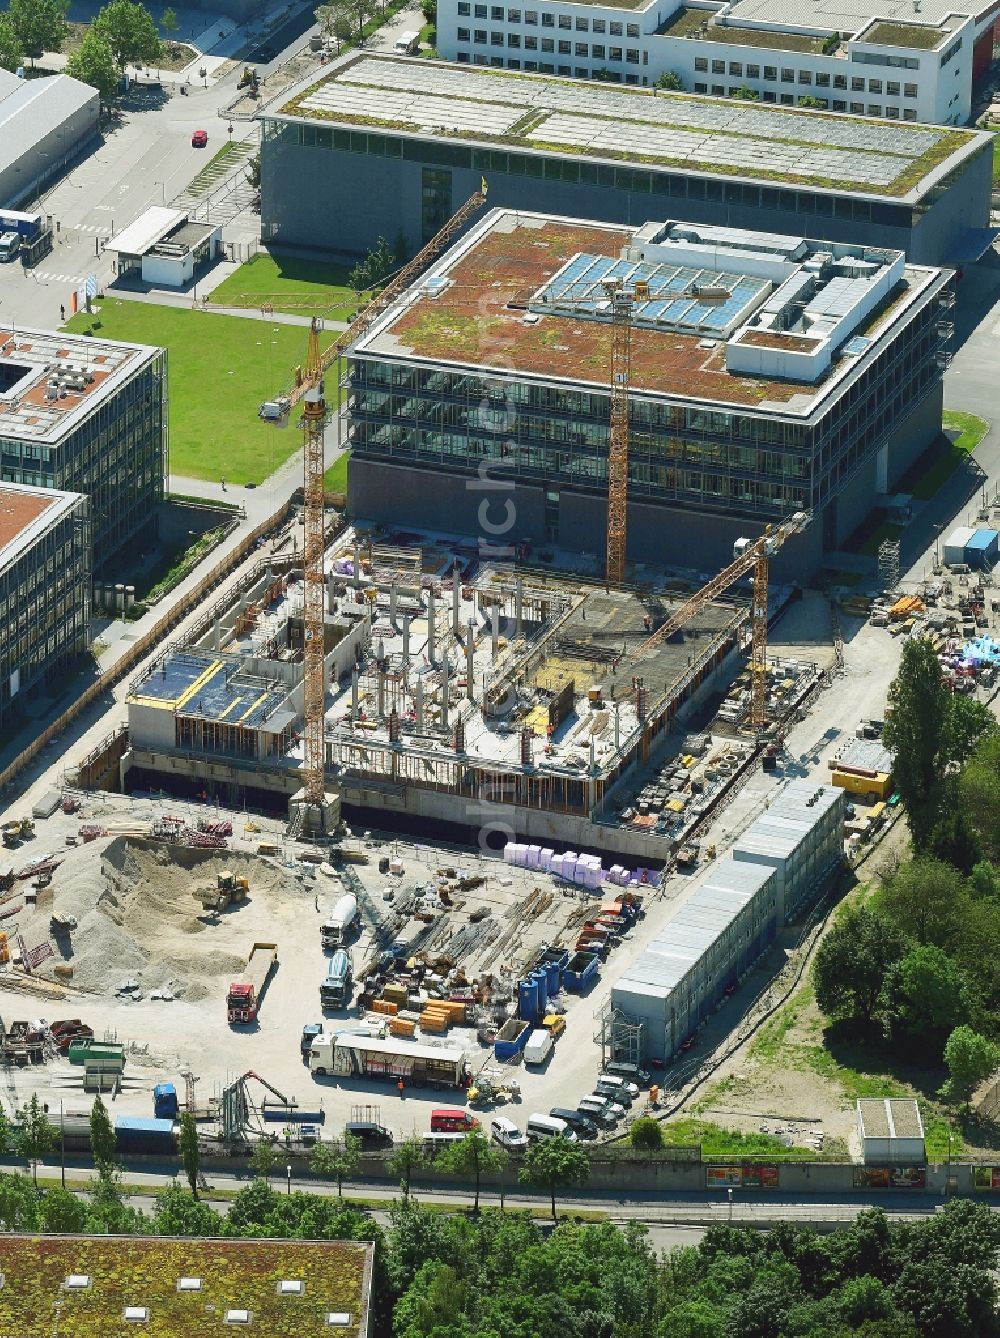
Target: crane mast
310,390
748,555
622,298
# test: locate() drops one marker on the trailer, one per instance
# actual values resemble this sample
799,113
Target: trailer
245,995
416,1064
47,805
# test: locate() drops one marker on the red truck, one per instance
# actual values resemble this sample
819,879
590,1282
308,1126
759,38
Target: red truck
244,997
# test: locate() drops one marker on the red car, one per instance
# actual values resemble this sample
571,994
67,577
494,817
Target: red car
199,139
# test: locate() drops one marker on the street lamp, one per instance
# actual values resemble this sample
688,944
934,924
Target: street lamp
729,1192
288,1175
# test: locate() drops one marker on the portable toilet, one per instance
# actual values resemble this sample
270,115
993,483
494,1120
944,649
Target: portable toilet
165,1101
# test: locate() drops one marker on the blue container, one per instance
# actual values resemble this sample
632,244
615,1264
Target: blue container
552,977
527,999
543,992
137,1135
981,550
165,1101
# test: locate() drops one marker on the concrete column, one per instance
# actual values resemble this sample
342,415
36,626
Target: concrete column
217,636
331,598
419,705
593,755
357,565
494,629
380,651
355,696
392,604
618,723
380,691
470,652
406,640
519,605
431,634
444,694
456,595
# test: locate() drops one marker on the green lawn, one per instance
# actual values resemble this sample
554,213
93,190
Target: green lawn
941,464
718,1142
221,368
320,286
335,478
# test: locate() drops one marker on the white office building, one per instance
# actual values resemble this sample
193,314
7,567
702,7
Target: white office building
914,60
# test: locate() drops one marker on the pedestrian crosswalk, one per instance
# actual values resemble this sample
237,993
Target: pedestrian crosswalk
47,276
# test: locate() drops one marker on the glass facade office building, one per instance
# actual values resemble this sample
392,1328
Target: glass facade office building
44,592
114,450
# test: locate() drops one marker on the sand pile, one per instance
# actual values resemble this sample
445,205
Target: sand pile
137,918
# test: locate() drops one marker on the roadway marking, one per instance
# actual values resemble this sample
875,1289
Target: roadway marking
49,277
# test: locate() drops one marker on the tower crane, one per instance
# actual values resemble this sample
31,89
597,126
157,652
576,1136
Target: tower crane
622,298
748,555
310,389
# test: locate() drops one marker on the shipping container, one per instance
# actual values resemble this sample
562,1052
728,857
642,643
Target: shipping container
137,1135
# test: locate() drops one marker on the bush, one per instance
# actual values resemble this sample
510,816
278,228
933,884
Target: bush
647,1134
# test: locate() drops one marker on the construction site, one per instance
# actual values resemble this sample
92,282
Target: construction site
397,815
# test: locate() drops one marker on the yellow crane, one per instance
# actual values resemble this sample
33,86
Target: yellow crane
310,389
622,298
748,555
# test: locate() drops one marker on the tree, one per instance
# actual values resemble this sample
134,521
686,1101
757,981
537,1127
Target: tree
377,265
7,1134
429,10
852,961
20,1203
94,63
408,1157
179,1213
130,31
11,51
264,1158
35,1137
63,1212
692,1319
925,900
952,837
339,1157
671,81
472,1155
39,25
647,1134
103,1143
979,794
555,1163
924,997
362,11
109,1211
970,1058
190,1150
169,25
745,94
253,171
915,731
809,101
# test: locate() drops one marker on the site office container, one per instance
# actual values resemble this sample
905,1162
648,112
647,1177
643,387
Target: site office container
451,1120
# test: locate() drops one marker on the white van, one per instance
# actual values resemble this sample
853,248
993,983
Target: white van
546,1126
538,1046
407,44
506,1133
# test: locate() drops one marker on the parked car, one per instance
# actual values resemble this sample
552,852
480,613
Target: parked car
506,1133
598,1111
199,139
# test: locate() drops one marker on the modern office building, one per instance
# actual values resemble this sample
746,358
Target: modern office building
87,415
413,140
44,589
912,62
770,375
44,125
730,919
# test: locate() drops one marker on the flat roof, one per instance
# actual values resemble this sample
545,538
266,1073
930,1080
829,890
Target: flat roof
33,108
143,233
849,17
643,127
890,1117
214,687
477,309
26,513
83,1284
50,380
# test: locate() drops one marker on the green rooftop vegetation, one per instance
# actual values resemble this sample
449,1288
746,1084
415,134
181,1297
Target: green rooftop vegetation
686,22
915,35
500,87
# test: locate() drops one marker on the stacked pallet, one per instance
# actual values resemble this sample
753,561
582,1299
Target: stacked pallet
385,1006
401,1026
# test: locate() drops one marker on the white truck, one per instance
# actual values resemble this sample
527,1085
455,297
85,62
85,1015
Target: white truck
10,244
338,924
538,1046
407,44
